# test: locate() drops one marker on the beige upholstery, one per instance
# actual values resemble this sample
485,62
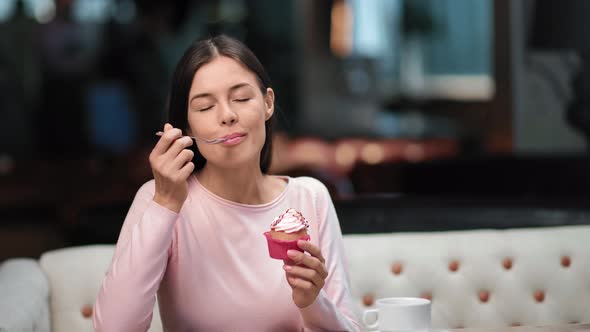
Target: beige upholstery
75,275
480,278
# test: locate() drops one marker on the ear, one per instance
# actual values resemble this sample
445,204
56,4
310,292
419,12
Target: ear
269,103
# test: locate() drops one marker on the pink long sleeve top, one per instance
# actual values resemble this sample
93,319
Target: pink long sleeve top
210,268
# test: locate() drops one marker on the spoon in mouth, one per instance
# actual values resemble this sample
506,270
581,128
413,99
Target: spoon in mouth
209,141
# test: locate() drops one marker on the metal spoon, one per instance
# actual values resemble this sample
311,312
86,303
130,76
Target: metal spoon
209,141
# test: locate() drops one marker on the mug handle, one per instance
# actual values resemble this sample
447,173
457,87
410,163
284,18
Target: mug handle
366,313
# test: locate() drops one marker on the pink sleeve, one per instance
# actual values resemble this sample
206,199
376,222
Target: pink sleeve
127,296
332,309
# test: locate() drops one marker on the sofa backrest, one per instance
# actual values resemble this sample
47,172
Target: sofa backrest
478,278
75,275
24,287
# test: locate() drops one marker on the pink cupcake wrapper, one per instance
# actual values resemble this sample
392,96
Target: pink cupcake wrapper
278,248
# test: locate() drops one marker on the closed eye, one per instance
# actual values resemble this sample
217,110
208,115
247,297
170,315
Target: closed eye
206,108
242,100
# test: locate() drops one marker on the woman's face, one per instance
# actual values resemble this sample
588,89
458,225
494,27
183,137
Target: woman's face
225,101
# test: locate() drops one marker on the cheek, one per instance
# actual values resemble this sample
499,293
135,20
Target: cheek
198,125
261,132
191,124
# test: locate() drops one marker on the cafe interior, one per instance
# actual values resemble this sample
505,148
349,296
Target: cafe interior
452,136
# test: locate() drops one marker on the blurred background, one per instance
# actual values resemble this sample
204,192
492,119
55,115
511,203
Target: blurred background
393,104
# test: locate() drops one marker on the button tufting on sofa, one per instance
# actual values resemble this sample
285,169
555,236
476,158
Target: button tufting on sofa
507,263
566,261
426,295
86,311
539,296
506,266
368,300
484,296
65,281
397,268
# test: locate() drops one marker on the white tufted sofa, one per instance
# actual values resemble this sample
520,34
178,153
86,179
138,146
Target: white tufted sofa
481,278
72,277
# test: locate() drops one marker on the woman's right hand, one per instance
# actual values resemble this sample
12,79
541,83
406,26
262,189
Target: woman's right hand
171,164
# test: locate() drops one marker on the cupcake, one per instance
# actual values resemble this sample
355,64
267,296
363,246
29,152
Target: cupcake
284,233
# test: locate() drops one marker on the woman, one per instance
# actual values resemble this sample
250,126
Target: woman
193,235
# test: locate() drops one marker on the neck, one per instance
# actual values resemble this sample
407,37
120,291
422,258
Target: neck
240,185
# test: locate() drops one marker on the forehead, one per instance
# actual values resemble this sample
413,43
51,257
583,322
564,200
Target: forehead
221,73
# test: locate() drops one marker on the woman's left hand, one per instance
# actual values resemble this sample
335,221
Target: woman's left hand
306,274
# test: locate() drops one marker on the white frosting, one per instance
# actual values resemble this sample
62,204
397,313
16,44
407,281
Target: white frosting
291,221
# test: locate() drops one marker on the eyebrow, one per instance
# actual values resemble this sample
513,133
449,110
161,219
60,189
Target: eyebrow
206,94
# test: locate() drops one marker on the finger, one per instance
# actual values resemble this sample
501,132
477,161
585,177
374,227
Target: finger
186,170
306,274
176,147
300,283
167,139
312,249
311,262
289,261
182,158
289,280
167,127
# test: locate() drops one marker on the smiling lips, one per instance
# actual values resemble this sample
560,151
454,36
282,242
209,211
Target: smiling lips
233,139
234,135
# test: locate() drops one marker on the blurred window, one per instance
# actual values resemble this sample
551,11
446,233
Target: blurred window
442,47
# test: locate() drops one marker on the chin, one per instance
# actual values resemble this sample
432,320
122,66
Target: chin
237,162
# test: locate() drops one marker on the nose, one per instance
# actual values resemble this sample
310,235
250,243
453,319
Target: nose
228,116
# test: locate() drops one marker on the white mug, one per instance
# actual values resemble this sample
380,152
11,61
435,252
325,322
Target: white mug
400,314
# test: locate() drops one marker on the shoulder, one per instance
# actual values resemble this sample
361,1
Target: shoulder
308,183
317,199
311,186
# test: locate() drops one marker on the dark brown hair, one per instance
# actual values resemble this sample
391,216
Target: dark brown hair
198,54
